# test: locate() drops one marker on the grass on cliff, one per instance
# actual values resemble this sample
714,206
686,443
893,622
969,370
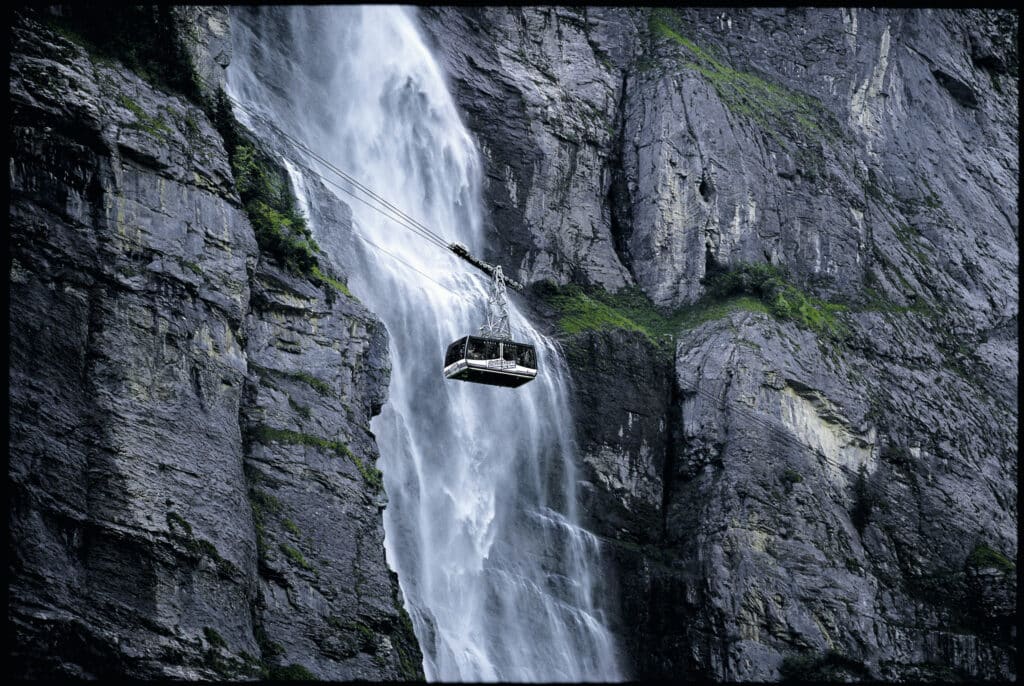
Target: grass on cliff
266,193
266,435
154,126
772,106
985,555
263,185
295,556
596,309
828,667
746,287
771,286
145,39
292,672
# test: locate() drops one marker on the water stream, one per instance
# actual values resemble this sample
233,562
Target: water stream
481,523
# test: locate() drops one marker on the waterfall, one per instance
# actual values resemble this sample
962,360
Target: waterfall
500,580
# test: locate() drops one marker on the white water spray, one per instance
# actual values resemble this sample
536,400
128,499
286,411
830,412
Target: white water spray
481,524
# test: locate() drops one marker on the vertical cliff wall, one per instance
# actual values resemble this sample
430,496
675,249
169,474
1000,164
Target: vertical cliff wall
794,355
819,478
193,490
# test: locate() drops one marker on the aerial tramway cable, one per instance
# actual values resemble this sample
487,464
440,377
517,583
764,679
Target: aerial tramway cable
492,357
494,326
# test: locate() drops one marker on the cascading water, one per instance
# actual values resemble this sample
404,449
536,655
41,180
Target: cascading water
480,526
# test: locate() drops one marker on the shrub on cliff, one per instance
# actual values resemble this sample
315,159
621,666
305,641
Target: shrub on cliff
266,194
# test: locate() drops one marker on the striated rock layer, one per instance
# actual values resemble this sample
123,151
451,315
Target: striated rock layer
777,502
193,490
826,490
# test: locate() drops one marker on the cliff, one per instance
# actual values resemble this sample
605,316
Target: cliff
191,469
814,474
779,250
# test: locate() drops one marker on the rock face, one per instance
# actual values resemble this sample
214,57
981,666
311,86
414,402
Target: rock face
187,499
541,100
631,146
208,43
327,599
193,491
777,502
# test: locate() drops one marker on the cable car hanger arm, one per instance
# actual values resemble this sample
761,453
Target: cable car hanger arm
489,269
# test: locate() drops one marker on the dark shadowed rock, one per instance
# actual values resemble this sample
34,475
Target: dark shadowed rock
193,490
822,488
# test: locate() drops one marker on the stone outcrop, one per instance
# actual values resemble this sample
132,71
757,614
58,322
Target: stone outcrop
777,500
823,492
193,490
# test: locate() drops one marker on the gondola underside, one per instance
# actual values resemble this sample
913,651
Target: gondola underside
469,370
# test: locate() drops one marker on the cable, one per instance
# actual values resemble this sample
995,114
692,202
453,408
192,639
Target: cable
392,211
397,215
402,219
412,267
386,208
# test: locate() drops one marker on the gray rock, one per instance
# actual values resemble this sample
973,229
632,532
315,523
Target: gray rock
191,470
868,153
327,600
821,141
189,500
542,103
133,550
205,33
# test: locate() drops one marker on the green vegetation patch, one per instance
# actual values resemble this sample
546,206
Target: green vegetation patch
910,236
773,107
292,672
176,521
269,649
746,287
214,638
791,476
199,547
154,126
266,435
876,302
371,475
263,504
330,281
295,556
597,309
302,410
316,383
367,637
266,193
769,284
291,526
985,555
404,637
711,308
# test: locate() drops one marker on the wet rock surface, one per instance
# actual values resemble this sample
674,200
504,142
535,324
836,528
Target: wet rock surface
187,499
193,491
813,504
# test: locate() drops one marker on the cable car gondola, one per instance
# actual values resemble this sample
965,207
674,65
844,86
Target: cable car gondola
491,361
491,358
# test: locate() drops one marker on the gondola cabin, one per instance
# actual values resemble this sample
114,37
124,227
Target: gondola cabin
490,361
